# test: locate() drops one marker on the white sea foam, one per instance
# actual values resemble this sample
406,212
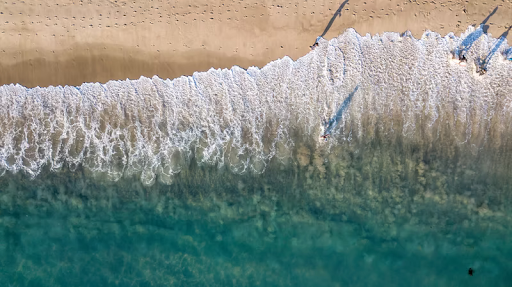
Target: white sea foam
244,118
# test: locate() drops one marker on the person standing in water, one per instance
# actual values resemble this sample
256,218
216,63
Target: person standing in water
316,43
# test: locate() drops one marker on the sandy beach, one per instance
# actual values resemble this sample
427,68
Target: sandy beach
68,42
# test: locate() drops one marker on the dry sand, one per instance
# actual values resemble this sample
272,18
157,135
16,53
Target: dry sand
68,42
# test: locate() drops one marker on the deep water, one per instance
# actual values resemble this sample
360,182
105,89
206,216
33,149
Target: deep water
223,179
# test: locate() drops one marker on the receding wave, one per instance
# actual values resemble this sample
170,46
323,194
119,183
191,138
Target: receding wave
408,90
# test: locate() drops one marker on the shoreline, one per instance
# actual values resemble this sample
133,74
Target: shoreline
73,69
46,43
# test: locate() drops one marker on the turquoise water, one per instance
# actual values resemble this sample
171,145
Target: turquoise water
222,179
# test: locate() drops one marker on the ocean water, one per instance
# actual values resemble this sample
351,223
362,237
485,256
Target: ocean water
223,178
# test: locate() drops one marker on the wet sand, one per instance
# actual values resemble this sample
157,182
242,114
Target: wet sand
68,42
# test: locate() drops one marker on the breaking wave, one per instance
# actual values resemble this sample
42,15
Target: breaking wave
408,90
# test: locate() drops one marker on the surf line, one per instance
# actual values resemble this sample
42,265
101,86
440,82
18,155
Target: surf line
331,124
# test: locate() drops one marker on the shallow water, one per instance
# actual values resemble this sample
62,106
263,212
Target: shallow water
221,179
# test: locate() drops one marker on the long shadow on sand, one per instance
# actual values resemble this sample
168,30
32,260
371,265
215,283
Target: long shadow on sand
336,14
471,38
494,49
